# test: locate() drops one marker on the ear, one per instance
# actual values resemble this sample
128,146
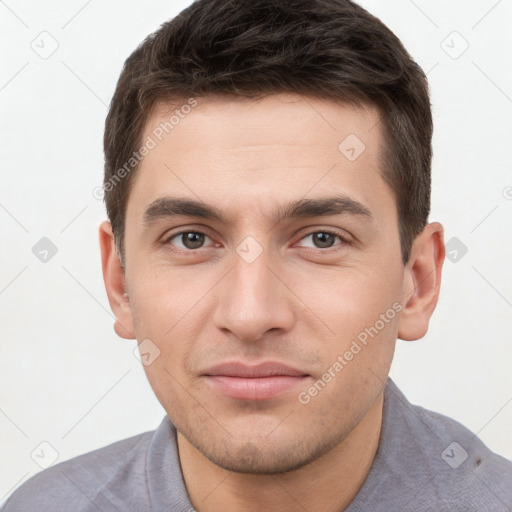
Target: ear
115,283
422,282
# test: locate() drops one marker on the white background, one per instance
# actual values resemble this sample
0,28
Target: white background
68,380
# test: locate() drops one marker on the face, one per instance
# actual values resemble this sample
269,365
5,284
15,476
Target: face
270,318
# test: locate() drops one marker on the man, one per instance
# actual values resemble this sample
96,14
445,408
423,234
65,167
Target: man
267,182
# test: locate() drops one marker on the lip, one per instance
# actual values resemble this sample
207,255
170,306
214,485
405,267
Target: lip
253,382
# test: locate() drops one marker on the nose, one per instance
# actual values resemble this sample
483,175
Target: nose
254,298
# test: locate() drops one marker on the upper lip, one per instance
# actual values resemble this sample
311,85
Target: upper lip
267,369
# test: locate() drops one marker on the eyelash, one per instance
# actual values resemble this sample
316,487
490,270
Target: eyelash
344,240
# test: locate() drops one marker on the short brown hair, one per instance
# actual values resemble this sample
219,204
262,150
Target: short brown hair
331,49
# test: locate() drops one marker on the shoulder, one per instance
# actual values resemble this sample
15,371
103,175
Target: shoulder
79,483
459,472
480,477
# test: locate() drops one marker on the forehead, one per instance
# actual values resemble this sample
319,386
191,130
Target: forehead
231,151
277,120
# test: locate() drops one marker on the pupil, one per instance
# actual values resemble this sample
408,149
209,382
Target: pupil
191,240
195,240
321,237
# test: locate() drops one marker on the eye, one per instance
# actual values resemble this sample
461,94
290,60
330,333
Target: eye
190,240
324,239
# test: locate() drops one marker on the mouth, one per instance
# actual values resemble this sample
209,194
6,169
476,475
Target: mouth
260,382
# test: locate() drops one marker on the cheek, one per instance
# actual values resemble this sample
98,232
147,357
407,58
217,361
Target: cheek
161,312
346,301
162,300
356,320
160,322
357,354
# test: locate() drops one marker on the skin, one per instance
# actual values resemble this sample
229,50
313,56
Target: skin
296,303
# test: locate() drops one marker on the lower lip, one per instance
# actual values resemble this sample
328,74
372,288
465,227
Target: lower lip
257,388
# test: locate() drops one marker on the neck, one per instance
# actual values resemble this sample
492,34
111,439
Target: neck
327,484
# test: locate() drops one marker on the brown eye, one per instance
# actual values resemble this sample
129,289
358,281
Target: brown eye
323,239
189,239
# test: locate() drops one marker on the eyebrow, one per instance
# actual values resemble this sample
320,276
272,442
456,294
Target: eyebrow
166,207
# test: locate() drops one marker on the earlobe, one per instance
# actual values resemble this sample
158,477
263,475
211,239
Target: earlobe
422,282
115,283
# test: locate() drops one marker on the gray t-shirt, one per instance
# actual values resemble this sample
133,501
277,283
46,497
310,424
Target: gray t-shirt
425,462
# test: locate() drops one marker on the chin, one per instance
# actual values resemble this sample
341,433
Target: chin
263,457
